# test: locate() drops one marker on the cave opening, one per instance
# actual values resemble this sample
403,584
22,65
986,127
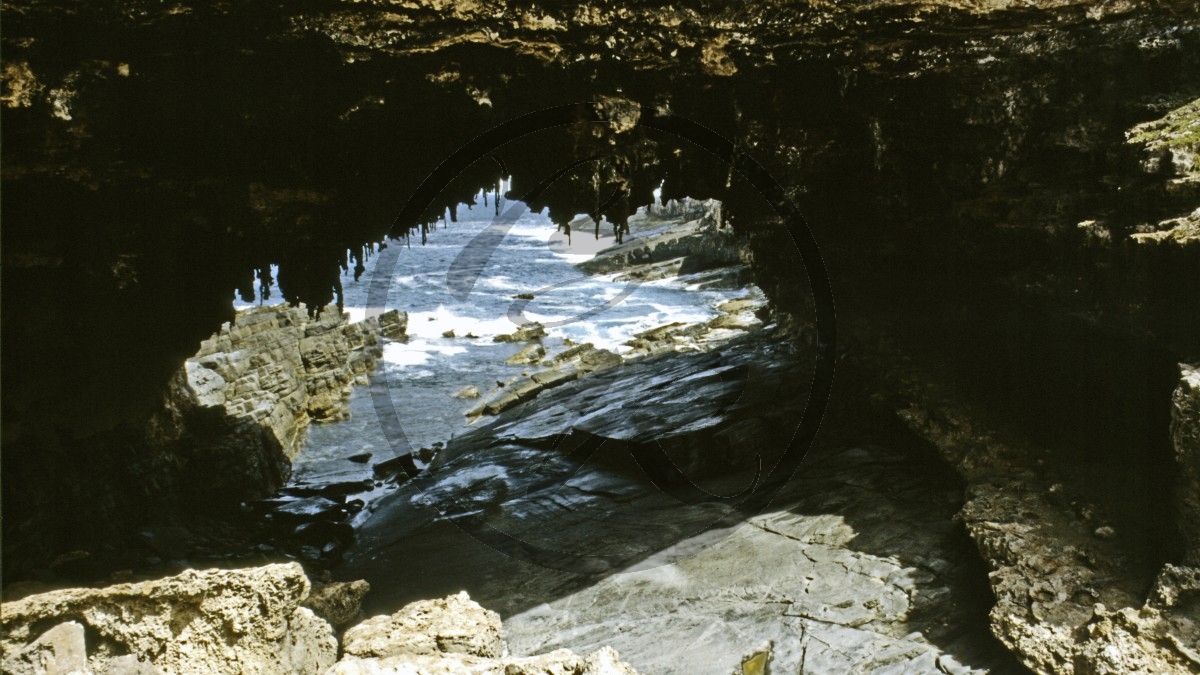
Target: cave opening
1004,200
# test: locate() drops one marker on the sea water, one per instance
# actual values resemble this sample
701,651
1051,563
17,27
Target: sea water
518,252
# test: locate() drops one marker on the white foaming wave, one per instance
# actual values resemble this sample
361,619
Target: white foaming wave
613,332
416,352
547,318
685,313
574,258
526,229
502,283
420,324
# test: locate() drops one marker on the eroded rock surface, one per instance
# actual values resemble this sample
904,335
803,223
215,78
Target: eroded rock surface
1070,587
216,621
258,620
277,367
455,635
1185,437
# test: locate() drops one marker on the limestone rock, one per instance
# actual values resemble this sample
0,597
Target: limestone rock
1185,435
276,368
339,603
1057,606
215,621
394,324
693,246
60,650
529,355
526,333
455,635
452,625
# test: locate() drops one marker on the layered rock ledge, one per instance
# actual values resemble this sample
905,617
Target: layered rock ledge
258,620
279,368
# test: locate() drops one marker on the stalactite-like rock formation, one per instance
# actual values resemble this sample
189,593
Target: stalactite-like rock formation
1004,197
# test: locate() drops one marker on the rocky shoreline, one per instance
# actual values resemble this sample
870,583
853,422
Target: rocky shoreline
279,368
1079,608
268,620
680,241
310,518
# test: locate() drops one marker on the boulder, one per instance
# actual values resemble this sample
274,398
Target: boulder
469,391
215,621
339,603
400,464
60,650
527,356
455,635
394,324
525,333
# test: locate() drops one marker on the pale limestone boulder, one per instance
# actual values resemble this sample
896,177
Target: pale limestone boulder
214,621
58,651
452,625
454,635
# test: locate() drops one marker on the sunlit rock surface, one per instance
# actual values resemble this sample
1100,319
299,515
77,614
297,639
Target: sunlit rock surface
216,621
276,367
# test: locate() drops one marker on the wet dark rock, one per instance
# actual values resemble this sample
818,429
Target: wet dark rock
307,509
361,458
1017,180
331,490
322,532
400,466
857,566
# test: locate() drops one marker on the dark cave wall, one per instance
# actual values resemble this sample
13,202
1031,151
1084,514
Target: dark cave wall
154,160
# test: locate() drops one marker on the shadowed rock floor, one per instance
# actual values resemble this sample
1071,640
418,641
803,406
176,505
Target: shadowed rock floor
856,565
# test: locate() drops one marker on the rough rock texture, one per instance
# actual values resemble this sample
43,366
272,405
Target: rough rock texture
455,635
223,433
278,368
969,170
684,245
58,651
682,240
1170,147
1069,574
945,153
339,603
1185,436
216,621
